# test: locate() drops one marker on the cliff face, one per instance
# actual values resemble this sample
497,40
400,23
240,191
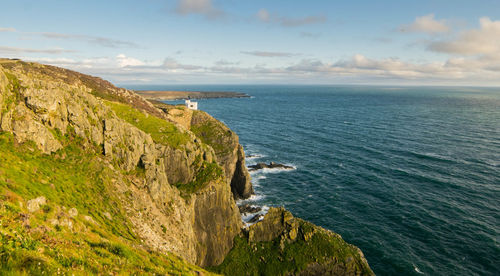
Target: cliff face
229,153
179,201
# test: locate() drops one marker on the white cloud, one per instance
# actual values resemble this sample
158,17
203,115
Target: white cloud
483,41
172,64
224,62
456,70
124,61
265,16
426,24
393,68
203,7
7,29
268,54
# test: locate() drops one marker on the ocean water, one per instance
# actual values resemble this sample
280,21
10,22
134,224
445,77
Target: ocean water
409,175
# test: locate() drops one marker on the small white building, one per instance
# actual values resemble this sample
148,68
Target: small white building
191,105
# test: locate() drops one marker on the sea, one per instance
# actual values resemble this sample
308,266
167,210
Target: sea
410,175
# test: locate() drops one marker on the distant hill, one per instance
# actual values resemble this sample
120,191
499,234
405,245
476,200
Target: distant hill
181,95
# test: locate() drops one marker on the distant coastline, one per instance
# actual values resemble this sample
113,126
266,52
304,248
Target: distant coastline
180,95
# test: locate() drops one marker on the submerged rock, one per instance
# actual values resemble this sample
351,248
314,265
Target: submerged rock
272,165
247,208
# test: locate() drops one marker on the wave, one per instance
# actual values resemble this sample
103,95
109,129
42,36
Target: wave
417,270
431,156
254,156
251,199
273,170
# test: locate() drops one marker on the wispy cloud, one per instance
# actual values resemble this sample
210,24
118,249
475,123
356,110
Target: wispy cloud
172,64
201,7
310,35
426,24
18,50
7,29
97,40
265,16
268,54
224,62
484,41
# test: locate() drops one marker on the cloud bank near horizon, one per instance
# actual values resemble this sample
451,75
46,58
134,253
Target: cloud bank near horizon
468,56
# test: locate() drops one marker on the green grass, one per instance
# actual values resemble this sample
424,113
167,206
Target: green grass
267,258
72,177
208,172
161,131
68,178
213,133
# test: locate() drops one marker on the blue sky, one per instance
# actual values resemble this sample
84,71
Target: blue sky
229,41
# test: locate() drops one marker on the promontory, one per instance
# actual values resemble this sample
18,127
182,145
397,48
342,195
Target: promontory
95,179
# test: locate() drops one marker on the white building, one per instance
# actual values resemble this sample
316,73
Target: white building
191,105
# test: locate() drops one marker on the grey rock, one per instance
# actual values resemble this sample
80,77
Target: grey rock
73,212
34,205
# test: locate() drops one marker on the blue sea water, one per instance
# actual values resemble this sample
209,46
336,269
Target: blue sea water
411,175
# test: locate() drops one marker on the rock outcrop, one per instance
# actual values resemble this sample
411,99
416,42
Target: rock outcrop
281,244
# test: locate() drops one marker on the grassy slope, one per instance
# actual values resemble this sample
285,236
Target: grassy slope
211,132
31,244
161,131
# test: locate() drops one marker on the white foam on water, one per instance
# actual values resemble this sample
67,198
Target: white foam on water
417,270
252,199
254,156
273,170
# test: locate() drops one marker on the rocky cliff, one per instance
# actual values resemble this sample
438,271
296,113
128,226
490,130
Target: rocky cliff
177,183
89,171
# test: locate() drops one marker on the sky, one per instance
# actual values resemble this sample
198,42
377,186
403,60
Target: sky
260,42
